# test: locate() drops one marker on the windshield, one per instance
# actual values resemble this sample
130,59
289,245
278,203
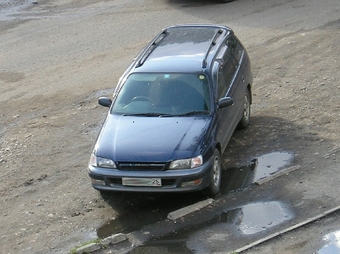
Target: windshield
163,94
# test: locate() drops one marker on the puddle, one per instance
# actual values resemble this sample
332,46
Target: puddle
236,179
271,163
224,232
129,223
332,243
247,222
140,209
254,218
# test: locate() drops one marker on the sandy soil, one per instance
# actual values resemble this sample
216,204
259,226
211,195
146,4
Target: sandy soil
58,57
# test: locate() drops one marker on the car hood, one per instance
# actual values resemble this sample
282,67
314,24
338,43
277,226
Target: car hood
151,139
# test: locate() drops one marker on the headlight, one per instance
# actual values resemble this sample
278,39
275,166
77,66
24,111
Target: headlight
96,161
187,163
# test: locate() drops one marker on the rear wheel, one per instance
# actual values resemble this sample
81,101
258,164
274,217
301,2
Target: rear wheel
245,120
216,174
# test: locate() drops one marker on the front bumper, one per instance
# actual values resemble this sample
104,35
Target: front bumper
185,180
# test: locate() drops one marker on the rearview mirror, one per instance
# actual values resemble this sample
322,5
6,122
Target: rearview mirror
225,102
104,101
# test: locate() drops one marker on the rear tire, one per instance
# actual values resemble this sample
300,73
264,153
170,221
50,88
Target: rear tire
245,120
216,176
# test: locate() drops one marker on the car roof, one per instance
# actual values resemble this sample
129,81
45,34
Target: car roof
182,48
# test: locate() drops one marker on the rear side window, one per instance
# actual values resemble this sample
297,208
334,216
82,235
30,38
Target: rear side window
235,48
226,71
225,76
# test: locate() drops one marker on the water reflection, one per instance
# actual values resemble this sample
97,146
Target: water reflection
257,217
247,220
236,179
271,163
332,243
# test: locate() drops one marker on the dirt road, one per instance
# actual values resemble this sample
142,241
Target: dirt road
58,57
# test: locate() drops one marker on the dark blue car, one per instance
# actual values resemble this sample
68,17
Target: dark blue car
173,113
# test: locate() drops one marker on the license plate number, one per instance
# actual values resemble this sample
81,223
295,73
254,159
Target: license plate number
154,182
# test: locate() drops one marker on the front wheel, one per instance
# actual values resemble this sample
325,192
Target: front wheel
215,177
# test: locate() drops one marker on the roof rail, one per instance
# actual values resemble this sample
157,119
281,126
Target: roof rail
151,48
212,43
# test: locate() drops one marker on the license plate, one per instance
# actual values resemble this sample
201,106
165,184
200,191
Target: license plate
154,182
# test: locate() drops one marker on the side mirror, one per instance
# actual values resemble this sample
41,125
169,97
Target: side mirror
225,102
104,101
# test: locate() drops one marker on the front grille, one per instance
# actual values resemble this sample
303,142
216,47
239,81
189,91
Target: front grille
141,166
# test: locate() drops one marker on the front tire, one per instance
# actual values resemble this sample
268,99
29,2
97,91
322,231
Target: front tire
216,176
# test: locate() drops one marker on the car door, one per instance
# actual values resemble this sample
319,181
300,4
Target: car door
238,85
230,83
224,74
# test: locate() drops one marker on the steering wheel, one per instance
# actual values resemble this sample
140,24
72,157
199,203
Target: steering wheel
142,98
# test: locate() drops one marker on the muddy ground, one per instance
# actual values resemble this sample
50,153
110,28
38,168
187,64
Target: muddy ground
58,57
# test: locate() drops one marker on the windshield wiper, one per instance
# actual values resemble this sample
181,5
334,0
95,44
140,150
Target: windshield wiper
196,112
147,114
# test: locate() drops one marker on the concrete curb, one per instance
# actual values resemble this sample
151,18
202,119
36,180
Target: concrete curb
189,209
110,240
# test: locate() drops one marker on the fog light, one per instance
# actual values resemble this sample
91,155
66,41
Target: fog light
97,182
192,183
